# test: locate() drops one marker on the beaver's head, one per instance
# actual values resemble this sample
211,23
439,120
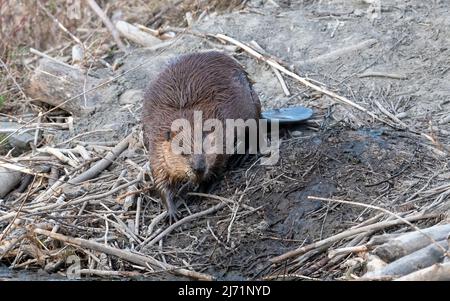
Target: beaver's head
184,162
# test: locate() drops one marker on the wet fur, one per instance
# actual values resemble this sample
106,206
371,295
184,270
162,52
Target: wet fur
211,82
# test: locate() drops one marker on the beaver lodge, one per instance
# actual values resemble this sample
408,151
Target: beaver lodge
361,190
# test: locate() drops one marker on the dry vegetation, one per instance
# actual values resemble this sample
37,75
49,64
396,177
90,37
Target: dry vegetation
257,225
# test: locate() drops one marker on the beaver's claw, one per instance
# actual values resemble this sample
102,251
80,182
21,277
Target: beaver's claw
172,215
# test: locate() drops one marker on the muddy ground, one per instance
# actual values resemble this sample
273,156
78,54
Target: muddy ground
340,153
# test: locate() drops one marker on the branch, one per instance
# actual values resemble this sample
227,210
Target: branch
97,9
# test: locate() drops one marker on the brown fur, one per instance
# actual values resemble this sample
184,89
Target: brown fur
211,82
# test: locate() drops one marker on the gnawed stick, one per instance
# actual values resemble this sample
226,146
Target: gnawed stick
136,35
407,243
58,154
424,257
103,163
347,250
349,233
139,259
437,272
22,169
156,33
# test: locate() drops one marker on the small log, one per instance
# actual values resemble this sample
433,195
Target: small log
129,256
437,272
55,83
136,35
410,263
410,242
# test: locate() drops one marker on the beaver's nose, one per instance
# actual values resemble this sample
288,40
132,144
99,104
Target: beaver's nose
199,165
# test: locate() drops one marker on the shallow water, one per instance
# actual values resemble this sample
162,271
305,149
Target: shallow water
7,274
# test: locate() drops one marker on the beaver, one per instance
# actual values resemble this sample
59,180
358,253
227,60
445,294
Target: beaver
209,82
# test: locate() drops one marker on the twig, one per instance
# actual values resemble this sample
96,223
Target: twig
138,215
60,25
283,276
156,33
381,74
5,232
103,163
277,73
444,251
132,192
58,154
273,63
346,234
21,169
405,265
152,225
390,115
38,126
282,82
13,79
347,250
233,217
219,198
49,192
189,19
97,9
98,197
215,236
182,221
82,134
37,52
340,52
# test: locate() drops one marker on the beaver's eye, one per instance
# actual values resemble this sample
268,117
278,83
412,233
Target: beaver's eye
168,135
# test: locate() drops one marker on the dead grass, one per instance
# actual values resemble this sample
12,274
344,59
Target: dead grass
25,24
